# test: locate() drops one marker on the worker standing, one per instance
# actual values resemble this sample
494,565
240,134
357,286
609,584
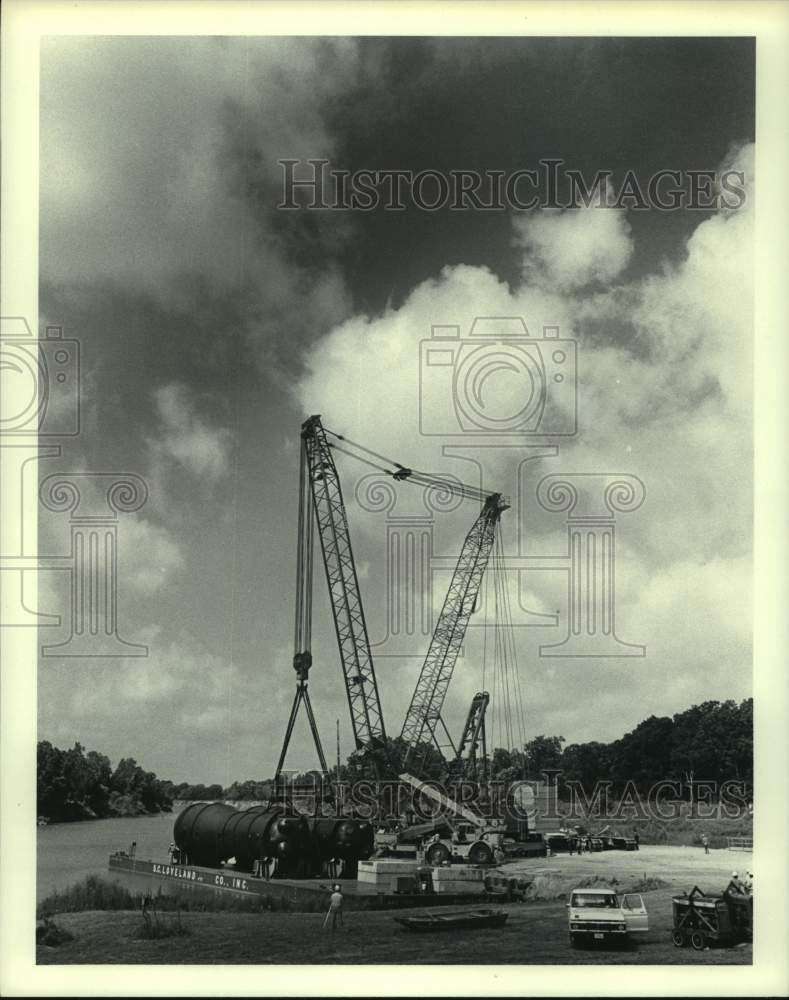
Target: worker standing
335,908
705,840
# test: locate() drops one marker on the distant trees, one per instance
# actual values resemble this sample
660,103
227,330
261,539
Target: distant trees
711,742
543,753
197,792
72,784
249,791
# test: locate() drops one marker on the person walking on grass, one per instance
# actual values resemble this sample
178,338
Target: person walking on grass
335,908
705,840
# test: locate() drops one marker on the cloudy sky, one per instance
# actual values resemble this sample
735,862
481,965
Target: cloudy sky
212,323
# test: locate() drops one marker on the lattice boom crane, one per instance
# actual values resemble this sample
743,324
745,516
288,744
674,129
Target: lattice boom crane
346,601
423,718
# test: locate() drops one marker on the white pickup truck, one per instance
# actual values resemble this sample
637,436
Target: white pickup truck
603,915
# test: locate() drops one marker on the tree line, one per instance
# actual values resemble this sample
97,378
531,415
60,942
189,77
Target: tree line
73,785
710,742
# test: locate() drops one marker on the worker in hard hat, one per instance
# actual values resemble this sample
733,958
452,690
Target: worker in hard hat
335,908
735,885
749,883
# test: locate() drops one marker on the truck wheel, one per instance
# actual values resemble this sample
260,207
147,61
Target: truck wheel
698,941
678,939
437,854
480,854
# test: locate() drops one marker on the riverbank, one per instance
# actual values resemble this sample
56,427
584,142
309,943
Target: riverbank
535,934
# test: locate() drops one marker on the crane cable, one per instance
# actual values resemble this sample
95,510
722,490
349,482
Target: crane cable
404,474
507,703
519,708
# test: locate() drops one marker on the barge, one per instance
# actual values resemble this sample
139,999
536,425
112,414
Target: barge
308,894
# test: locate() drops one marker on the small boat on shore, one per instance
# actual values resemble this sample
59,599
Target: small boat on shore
464,920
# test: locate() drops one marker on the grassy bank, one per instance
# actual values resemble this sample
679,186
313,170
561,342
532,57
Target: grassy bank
97,894
535,933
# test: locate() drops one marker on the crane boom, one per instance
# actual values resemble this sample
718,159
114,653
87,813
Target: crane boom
424,713
302,632
346,602
472,736
448,804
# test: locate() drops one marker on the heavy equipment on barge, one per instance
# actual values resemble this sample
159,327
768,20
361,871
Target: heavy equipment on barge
290,845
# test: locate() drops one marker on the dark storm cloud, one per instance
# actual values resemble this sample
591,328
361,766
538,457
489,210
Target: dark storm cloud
199,305
641,104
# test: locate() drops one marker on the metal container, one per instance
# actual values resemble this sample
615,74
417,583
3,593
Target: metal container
209,833
350,840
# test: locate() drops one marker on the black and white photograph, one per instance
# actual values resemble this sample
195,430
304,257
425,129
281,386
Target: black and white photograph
389,447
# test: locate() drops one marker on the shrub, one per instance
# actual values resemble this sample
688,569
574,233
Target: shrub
49,934
92,893
155,926
95,893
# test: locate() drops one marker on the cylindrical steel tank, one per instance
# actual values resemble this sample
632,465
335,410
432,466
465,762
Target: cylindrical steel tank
208,833
350,840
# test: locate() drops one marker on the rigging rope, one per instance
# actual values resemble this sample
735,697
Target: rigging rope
404,474
507,700
506,704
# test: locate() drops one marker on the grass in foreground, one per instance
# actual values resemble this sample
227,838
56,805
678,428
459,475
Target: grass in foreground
535,933
95,893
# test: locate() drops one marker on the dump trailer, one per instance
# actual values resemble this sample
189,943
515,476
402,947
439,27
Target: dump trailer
701,920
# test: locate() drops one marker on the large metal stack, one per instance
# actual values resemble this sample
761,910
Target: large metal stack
211,833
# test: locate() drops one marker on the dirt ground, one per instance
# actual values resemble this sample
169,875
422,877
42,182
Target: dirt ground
535,932
680,867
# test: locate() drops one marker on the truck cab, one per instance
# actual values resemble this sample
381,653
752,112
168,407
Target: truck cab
604,915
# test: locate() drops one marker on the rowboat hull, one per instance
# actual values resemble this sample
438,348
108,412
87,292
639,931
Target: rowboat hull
474,920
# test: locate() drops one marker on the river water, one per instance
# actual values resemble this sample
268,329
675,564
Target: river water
67,852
